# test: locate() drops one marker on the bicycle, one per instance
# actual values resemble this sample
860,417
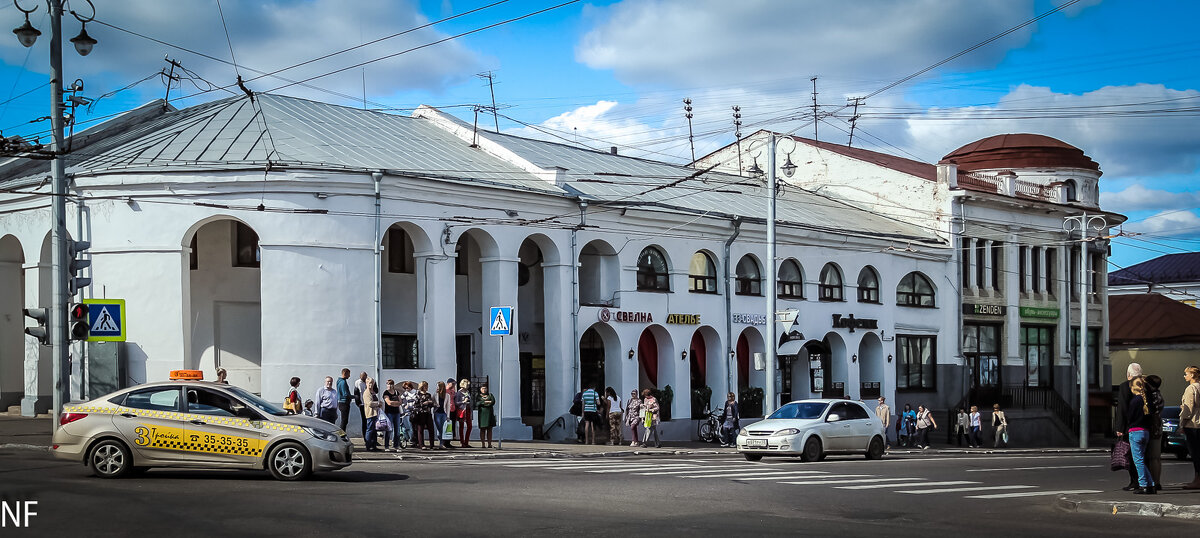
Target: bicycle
709,430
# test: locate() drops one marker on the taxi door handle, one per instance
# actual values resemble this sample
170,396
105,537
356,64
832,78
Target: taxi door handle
197,421
128,415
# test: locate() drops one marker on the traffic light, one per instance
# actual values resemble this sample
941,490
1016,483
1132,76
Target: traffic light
74,281
77,321
42,331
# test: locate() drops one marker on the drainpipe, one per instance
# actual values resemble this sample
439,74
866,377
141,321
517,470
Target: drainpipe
730,356
378,177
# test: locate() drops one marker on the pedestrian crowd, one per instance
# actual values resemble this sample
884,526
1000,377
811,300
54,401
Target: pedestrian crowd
641,412
913,426
404,415
1139,423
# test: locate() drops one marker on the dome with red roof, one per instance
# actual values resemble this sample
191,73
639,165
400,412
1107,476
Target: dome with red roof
1021,150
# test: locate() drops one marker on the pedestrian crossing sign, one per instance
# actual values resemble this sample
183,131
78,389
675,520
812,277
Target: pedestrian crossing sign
501,320
106,320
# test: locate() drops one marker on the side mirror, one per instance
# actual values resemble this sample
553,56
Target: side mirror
833,417
242,411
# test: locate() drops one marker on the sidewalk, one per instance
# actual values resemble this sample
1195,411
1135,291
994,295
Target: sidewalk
1087,505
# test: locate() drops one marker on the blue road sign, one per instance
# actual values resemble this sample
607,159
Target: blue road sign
106,320
501,321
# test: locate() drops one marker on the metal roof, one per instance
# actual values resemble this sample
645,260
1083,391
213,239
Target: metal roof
1151,318
1172,268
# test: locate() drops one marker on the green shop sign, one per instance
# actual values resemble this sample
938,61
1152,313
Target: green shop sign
1034,312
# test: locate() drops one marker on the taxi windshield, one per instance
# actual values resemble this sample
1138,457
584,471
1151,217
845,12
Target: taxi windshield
258,403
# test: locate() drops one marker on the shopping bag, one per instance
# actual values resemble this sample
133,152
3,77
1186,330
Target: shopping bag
448,430
1120,458
382,423
649,419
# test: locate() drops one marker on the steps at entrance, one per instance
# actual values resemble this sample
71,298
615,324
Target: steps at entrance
14,410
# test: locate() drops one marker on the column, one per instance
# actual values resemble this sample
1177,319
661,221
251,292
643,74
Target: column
560,339
987,282
970,260
499,282
435,314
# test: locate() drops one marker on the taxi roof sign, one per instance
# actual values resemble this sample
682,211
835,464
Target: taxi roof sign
193,375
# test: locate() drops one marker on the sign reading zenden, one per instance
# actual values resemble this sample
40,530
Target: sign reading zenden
683,319
1035,312
748,319
849,322
975,309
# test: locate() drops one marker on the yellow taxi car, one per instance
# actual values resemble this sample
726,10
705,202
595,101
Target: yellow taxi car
187,422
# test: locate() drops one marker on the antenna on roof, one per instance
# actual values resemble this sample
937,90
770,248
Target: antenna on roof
737,134
854,118
815,119
170,78
242,85
492,88
687,113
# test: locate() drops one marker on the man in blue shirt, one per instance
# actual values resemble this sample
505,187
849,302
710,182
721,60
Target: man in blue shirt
326,401
343,398
591,415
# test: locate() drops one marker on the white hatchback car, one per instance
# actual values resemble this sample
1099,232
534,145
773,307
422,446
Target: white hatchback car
813,428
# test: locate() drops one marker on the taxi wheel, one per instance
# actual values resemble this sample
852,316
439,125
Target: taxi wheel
812,450
289,461
110,459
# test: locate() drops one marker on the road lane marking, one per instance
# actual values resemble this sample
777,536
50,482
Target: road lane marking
694,468
911,484
1033,468
956,490
686,471
1035,494
800,474
749,474
851,481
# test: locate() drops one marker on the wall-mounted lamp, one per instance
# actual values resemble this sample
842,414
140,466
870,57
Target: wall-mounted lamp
854,358
889,357
630,353
320,195
683,356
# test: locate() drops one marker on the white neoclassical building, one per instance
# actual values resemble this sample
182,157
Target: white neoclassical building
280,237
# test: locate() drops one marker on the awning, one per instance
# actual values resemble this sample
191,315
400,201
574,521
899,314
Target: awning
791,347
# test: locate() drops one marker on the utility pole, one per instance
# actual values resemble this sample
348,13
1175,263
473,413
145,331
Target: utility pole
854,118
814,106
687,113
170,78
737,134
772,341
1085,222
59,350
492,89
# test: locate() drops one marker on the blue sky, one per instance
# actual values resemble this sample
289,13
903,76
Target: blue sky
615,73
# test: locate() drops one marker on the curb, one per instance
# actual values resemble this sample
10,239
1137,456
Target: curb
1128,508
360,455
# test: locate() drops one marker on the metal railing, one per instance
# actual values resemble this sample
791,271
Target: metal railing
1023,397
980,182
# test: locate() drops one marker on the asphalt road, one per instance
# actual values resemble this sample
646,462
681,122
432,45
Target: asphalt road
673,495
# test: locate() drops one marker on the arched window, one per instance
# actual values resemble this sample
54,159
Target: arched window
652,273
702,273
791,280
868,285
915,289
1072,190
831,283
749,278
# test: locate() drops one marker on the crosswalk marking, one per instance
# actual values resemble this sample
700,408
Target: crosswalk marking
910,484
957,490
686,471
798,474
741,474
643,468
838,480
1032,468
1035,494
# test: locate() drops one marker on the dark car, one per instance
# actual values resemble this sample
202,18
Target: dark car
1172,440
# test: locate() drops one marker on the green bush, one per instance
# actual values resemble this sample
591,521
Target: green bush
700,399
750,402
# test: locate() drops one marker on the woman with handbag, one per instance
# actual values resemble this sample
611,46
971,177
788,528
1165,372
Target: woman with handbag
487,415
391,411
1138,418
370,408
293,404
924,423
439,414
423,416
999,426
451,414
1189,420
650,410
464,405
633,416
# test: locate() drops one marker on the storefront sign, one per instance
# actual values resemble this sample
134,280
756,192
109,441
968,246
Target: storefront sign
683,319
849,322
1043,313
607,315
974,309
749,319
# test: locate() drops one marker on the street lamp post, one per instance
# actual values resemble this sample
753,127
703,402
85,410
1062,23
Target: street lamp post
772,287
59,289
1084,222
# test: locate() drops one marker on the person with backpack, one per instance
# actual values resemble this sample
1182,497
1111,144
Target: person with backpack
293,404
591,414
577,411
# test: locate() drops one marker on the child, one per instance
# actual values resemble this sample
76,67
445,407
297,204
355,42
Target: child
308,408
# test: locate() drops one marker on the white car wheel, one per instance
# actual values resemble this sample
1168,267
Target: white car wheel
288,461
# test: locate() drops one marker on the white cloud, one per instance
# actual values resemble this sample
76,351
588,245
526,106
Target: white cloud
1168,223
1137,197
266,35
708,42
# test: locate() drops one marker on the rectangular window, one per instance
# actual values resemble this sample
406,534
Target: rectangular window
997,253
981,347
1036,272
1093,352
246,241
1037,350
980,266
400,352
705,284
1051,271
916,362
399,252
1024,257
1073,274
966,262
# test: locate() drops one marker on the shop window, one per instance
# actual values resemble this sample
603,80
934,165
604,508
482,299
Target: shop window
1037,350
246,242
400,352
830,287
868,285
652,272
702,274
749,278
791,280
916,362
1093,353
915,289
